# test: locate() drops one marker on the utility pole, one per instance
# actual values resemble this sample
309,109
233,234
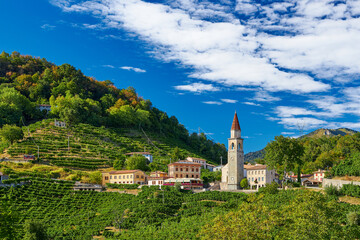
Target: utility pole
221,160
68,143
38,152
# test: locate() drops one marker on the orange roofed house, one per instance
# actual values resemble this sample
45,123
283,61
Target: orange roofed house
157,178
184,169
124,177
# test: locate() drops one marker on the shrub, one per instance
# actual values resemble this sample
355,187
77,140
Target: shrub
270,188
332,190
353,218
350,190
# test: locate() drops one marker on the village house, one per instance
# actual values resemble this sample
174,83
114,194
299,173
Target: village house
157,178
197,160
148,155
319,175
59,123
184,169
303,177
44,107
124,177
315,179
217,168
259,175
186,183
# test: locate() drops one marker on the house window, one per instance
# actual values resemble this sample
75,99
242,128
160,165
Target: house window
131,176
127,176
262,179
110,177
180,175
192,169
142,176
192,175
115,177
252,179
232,146
180,169
187,176
187,169
239,146
106,178
176,169
176,175
137,176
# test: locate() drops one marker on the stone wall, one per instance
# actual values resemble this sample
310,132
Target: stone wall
337,183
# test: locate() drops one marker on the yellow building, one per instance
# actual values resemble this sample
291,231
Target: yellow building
124,177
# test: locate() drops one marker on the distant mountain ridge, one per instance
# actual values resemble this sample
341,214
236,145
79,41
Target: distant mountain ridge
251,156
330,132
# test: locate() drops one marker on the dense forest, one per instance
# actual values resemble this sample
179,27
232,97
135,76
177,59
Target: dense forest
26,82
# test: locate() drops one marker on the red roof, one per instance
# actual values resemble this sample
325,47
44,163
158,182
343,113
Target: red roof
185,163
235,124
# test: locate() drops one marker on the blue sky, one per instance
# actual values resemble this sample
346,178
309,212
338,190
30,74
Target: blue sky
285,66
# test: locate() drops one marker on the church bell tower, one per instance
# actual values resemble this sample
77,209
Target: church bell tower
235,156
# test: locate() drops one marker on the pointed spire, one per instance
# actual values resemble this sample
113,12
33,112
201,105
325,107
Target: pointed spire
235,124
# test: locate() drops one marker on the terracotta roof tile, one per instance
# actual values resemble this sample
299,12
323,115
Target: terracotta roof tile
235,124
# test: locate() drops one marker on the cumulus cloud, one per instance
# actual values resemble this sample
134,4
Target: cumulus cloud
229,100
221,51
134,69
213,102
251,103
197,87
276,47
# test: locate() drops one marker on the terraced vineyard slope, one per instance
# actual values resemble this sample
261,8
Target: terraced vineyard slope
89,147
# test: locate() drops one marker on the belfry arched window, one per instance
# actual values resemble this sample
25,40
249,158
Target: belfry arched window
239,146
232,146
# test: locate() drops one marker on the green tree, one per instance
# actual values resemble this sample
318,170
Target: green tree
137,162
119,163
11,133
95,177
285,153
244,183
35,230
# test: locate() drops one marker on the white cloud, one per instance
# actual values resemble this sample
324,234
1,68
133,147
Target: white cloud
213,102
222,51
139,70
229,100
296,123
251,103
263,96
287,133
108,66
197,87
48,27
292,46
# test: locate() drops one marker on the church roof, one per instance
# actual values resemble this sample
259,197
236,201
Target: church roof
235,124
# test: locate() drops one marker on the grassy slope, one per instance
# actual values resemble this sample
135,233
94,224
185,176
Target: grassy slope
90,147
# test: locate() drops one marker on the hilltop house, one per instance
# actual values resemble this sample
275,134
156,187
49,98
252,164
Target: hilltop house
44,107
184,169
148,155
124,177
157,178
